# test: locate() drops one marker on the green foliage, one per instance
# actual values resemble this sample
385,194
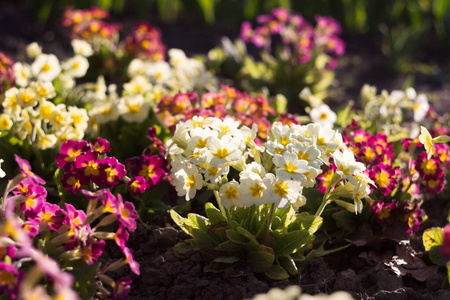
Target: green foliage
275,252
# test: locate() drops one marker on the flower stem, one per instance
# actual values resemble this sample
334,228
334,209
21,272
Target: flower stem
326,198
225,212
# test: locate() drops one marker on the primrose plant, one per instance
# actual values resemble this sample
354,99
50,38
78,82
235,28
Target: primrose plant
259,188
292,54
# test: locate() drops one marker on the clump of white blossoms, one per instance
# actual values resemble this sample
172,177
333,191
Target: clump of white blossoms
29,109
205,150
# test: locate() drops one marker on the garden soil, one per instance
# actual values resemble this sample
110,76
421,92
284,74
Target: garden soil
373,267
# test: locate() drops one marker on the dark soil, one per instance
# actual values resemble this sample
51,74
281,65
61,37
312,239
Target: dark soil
367,272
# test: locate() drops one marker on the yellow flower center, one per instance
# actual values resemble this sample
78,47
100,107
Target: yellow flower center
256,190
290,168
281,189
231,193
221,153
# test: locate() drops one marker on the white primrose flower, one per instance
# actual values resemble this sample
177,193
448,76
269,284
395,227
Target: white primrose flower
214,174
249,135
199,137
228,126
82,47
33,50
290,167
323,115
307,152
323,137
195,122
274,147
427,140
27,97
104,112
346,165
10,105
281,133
45,89
46,67
301,200
5,122
229,194
46,141
76,66
252,168
224,150
138,85
136,67
60,117
67,82
22,74
46,108
311,176
421,107
159,72
254,190
300,134
360,191
2,173
79,116
286,192
176,57
187,181
133,109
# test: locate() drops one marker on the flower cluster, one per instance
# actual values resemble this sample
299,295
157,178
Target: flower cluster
30,109
203,151
145,43
83,163
6,72
29,218
298,37
227,103
88,24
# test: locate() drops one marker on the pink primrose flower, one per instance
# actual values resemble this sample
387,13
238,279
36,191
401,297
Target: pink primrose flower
89,165
74,180
137,185
92,250
327,26
25,169
384,177
121,237
101,146
436,184
152,168
31,227
74,218
126,213
10,279
111,171
70,149
121,289
35,197
246,31
157,144
134,266
50,215
445,247
281,14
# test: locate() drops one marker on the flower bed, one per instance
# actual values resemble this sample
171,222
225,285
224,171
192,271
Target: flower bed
251,177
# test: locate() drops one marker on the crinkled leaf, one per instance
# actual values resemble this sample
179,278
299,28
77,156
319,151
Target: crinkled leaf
227,259
182,248
251,238
344,219
236,237
436,257
214,215
305,221
432,237
277,272
291,242
261,260
229,246
288,264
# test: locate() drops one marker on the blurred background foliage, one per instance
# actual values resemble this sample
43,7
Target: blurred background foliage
406,26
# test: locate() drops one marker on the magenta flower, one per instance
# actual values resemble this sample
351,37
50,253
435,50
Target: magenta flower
157,144
121,288
70,149
31,227
121,237
92,250
25,169
90,166
50,215
436,184
10,279
74,218
384,177
246,31
445,247
111,171
134,266
35,197
152,168
126,213
137,185
101,146
73,180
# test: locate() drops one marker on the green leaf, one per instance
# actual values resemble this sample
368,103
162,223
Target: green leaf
237,237
182,248
288,264
436,257
260,261
322,252
196,226
432,237
248,235
229,246
347,205
345,220
344,115
227,259
214,215
305,221
277,272
207,7
291,242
